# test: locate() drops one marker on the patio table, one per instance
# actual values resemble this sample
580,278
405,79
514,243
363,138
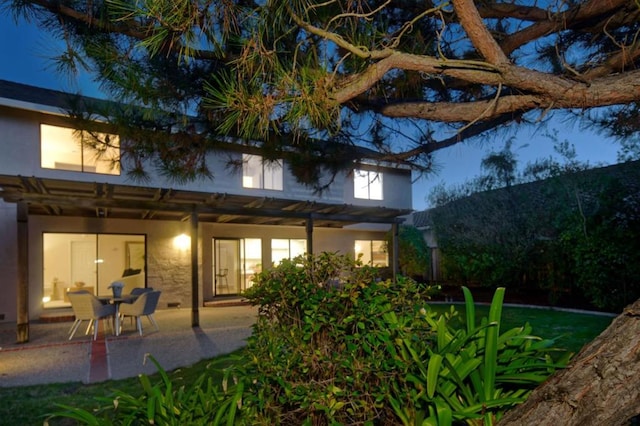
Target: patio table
117,301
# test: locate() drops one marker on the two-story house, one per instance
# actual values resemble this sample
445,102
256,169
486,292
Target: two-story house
70,220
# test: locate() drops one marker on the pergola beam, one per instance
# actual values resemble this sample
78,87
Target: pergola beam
142,205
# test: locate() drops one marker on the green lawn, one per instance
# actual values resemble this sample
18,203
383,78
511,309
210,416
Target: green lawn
573,329
28,405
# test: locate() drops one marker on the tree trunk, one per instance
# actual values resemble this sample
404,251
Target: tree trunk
601,386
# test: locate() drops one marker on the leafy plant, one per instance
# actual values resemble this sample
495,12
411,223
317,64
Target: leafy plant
473,374
200,403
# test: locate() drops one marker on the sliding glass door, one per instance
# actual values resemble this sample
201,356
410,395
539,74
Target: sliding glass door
89,262
235,261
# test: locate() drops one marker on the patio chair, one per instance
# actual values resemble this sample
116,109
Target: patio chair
87,307
139,290
144,305
222,277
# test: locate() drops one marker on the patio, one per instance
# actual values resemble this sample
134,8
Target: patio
50,358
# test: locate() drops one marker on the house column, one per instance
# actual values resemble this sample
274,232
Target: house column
394,251
195,299
22,216
309,235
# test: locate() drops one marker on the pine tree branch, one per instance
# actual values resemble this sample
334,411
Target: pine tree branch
129,28
478,33
575,17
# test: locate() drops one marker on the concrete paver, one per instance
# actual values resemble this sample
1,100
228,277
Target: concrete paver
49,357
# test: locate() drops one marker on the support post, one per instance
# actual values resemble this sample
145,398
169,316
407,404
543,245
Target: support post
22,217
309,229
394,251
195,299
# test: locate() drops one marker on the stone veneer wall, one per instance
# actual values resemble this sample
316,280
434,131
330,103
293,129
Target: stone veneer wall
169,268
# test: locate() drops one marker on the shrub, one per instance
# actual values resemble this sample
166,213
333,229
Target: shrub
319,349
333,344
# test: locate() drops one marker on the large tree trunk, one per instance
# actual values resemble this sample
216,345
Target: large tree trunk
601,386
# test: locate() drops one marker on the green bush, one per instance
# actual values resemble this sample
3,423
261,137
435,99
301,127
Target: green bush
414,256
335,345
319,349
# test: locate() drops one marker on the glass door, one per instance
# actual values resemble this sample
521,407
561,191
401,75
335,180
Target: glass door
226,267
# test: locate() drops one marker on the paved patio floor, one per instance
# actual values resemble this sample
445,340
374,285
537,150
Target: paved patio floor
49,357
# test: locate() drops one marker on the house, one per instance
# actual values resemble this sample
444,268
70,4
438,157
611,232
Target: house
69,220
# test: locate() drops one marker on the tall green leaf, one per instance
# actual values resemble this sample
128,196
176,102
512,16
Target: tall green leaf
470,310
491,343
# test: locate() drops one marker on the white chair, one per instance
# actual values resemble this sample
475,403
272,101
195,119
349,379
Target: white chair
222,277
88,307
144,305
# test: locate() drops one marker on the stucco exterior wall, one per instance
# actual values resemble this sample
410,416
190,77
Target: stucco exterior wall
20,155
8,261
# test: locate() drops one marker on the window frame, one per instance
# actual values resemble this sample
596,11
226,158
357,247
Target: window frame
57,151
369,255
368,185
108,255
301,242
270,175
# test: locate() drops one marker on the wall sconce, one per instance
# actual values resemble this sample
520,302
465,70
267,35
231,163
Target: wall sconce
182,242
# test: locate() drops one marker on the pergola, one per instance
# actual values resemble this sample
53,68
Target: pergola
55,197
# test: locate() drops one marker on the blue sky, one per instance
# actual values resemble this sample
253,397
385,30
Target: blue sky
26,51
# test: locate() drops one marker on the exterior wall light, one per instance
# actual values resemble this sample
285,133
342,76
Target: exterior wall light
182,242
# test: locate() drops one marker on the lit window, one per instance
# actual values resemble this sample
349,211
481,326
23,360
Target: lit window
62,149
367,185
251,257
286,249
260,174
372,251
91,262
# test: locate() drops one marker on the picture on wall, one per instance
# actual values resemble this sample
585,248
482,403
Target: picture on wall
134,255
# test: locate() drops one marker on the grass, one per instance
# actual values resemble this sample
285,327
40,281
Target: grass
29,405
572,329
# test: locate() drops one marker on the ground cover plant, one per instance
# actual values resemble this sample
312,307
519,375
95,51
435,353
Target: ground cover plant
335,345
30,405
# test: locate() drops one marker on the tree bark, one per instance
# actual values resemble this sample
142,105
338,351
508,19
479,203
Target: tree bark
601,386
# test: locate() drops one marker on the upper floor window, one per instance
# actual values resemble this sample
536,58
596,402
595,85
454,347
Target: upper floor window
367,184
61,148
260,174
372,251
